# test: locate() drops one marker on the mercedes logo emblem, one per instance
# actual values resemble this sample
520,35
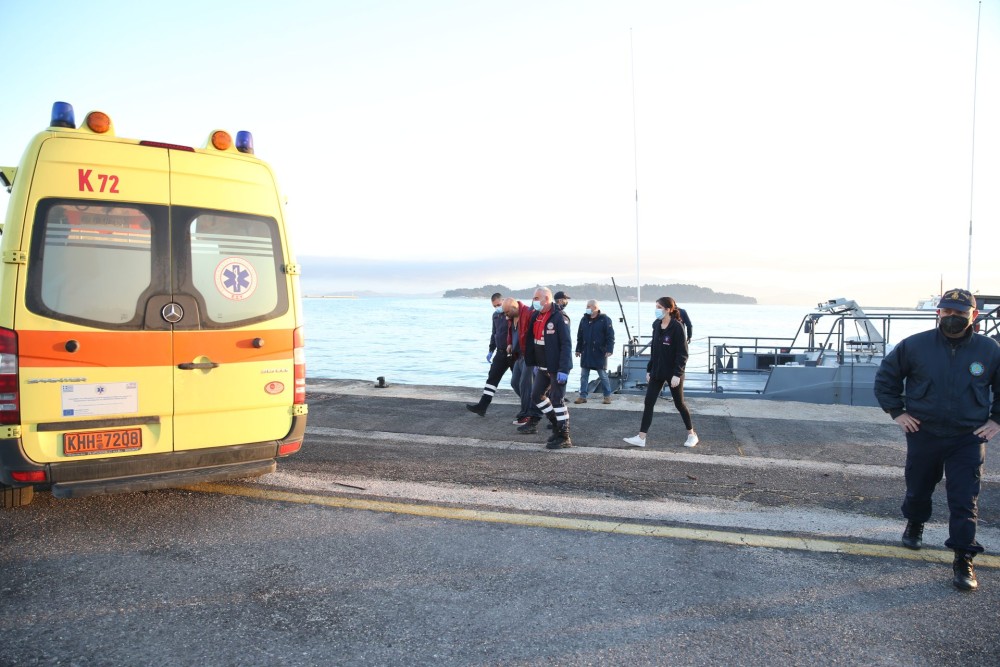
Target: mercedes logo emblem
172,313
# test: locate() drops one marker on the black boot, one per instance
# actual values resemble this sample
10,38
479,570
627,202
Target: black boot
965,574
913,535
554,427
530,427
480,407
561,440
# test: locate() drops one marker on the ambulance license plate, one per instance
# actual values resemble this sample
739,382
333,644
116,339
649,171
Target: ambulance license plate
95,442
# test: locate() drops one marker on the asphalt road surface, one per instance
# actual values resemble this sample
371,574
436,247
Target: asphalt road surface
409,531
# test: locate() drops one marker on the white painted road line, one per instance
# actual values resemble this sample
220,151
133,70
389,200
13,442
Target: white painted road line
748,462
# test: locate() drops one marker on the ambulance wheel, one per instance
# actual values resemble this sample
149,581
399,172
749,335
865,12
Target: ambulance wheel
15,496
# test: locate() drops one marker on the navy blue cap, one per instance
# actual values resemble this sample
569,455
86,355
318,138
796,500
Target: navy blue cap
957,299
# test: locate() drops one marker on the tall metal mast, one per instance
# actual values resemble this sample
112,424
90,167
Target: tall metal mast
635,165
972,170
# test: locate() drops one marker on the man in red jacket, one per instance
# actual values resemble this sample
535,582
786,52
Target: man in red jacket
520,315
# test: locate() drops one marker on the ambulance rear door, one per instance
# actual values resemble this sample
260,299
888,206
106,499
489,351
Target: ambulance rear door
234,337
95,365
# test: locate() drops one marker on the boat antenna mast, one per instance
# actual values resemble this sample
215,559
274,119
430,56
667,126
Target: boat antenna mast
624,321
635,166
972,169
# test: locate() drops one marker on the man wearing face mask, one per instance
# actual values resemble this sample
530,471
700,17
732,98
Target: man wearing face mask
522,375
936,386
550,349
595,342
499,356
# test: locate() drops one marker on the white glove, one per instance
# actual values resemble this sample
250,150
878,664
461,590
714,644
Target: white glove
674,381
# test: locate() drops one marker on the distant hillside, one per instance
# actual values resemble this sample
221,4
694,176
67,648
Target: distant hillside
606,293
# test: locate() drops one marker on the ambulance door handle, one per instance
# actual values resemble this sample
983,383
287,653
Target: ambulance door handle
72,346
203,366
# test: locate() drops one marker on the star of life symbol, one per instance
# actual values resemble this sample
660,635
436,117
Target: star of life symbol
235,278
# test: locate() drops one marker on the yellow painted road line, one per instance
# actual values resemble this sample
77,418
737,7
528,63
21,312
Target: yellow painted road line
597,525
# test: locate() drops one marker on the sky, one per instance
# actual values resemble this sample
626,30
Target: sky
793,151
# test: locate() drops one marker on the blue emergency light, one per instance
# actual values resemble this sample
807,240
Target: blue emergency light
244,142
62,115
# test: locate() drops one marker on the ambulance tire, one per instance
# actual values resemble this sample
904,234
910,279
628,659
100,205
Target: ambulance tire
15,496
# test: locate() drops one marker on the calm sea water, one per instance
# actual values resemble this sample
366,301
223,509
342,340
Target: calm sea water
444,341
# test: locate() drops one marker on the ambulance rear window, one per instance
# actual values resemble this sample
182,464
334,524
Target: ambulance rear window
96,262
235,266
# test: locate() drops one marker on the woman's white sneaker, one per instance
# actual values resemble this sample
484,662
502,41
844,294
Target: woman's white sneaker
692,440
635,441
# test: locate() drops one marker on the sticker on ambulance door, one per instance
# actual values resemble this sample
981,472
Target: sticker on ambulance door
89,400
235,278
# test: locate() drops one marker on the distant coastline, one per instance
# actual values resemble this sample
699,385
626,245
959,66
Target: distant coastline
682,293
330,296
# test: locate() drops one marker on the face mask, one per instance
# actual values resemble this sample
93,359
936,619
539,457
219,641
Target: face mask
499,309
589,311
536,304
954,325
659,313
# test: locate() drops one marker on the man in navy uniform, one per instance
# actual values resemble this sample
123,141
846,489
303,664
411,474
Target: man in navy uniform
936,386
499,357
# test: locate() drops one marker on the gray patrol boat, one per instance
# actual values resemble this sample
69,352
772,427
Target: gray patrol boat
831,359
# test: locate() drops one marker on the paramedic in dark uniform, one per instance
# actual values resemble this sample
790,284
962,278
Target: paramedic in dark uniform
936,386
550,349
499,357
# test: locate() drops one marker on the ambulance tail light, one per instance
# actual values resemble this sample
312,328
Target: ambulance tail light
26,476
160,144
10,395
299,359
286,448
62,115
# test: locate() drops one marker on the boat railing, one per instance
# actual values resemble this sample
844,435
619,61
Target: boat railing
725,352
822,339
989,323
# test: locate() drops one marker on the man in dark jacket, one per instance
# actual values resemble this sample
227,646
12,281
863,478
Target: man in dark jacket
550,349
499,356
686,321
936,386
595,342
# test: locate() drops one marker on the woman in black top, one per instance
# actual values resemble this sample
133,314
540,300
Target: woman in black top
667,358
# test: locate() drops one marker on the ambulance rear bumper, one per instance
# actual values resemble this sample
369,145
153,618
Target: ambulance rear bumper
126,474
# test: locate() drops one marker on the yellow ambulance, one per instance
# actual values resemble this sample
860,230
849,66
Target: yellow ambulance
150,316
